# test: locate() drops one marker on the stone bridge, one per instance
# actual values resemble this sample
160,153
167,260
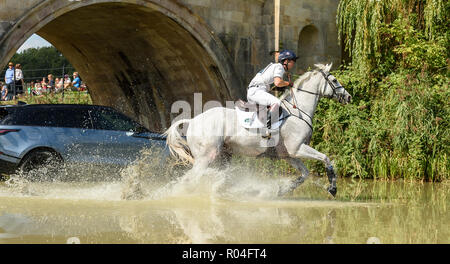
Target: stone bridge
142,55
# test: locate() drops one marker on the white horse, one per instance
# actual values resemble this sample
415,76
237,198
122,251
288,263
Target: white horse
217,130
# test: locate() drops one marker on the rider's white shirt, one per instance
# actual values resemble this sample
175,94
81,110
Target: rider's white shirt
265,77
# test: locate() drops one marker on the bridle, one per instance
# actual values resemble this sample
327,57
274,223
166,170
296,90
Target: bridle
333,87
294,104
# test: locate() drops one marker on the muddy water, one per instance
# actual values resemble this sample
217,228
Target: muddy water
226,206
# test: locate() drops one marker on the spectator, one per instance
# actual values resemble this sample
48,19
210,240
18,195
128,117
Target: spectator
51,83
4,92
9,80
44,84
20,84
58,85
67,81
31,88
37,88
83,86
76,83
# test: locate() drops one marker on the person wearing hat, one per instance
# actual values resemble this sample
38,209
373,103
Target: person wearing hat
9,80
258,89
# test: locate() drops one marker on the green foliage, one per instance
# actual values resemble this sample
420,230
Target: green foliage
398,123
401,132
412,49
416,28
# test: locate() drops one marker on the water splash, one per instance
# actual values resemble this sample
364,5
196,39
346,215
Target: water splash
233,183
147,178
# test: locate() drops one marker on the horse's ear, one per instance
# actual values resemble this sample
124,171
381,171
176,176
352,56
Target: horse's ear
328,68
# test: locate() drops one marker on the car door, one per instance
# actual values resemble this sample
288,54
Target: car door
64,130
121,138
72,132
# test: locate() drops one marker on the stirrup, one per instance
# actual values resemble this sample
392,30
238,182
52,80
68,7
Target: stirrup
267,135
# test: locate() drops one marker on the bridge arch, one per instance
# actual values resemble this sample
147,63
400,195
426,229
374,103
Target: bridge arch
138,56
310,47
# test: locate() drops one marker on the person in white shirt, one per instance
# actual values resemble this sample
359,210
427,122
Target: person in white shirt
259,87
20,84
67,82
58,84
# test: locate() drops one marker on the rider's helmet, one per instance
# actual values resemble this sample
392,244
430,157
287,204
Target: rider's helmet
287,55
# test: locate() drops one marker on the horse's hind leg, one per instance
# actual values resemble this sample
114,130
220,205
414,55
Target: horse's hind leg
298,164
307,152
202,160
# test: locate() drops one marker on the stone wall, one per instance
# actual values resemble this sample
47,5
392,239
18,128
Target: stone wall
246,29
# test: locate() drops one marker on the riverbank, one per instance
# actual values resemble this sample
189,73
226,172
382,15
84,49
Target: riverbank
69,97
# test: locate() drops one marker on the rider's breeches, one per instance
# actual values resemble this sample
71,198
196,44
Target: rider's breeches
259,96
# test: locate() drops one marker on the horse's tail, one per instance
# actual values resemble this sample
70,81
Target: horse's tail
177,144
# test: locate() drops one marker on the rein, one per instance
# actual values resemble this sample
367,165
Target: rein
294,105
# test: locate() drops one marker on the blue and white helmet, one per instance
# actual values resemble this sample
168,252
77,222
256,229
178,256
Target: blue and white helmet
287,55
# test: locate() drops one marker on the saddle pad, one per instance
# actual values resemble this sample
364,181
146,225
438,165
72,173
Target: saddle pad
250,120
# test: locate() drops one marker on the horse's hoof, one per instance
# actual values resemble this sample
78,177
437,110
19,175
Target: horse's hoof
332,190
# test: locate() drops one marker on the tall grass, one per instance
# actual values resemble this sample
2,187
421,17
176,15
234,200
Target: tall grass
401,132
398,74
70,97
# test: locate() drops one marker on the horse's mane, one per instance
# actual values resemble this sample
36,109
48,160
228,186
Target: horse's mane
306,76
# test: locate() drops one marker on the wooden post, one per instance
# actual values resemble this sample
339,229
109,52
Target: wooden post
277,26
64,79
276,23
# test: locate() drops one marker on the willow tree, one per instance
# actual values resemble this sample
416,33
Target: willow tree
398,125
376,32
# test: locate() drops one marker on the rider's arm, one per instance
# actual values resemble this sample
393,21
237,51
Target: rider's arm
279,82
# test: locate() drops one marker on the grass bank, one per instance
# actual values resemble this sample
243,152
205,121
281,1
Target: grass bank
69,97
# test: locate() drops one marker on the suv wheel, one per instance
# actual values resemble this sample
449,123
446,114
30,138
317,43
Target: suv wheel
42,161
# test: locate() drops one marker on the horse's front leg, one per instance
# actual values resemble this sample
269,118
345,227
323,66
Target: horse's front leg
306,152
298,164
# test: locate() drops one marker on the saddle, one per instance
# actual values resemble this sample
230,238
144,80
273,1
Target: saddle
262,113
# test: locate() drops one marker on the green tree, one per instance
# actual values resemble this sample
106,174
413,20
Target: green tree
39,62
382,35
398,74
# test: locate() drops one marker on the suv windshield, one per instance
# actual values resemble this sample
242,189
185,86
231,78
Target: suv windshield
48,116
107,119
73,117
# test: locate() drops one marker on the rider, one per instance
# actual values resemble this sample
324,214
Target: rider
258,89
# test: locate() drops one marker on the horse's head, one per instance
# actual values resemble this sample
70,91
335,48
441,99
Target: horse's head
332,88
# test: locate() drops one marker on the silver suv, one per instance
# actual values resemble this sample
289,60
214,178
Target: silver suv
34,135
